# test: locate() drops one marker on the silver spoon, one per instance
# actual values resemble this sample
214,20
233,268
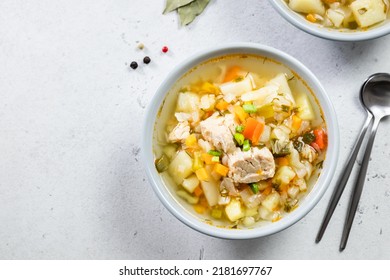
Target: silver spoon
376,98
341,183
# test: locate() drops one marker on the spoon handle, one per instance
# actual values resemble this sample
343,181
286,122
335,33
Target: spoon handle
358,188
340,185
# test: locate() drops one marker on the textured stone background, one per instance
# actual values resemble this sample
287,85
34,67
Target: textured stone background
71,182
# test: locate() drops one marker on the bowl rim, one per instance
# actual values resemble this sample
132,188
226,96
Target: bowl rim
327,33
315,194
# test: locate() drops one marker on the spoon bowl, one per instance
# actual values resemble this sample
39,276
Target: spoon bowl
376,95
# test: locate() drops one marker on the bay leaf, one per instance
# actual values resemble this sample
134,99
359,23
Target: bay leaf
189,12
172,5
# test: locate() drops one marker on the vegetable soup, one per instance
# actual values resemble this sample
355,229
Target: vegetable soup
240,141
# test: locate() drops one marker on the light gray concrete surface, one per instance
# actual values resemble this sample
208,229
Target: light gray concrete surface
72,185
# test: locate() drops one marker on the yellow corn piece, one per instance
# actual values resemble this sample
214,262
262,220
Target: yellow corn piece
221,169
222,105
202,175
240,113
200,209
311,18
296,122
209,88
191,141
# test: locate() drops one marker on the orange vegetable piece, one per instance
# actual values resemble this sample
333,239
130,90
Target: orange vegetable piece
198,191
257,133
232,73
222,105
253,130
221,169
296,122
311,18
282,161
207,158
240,113
200,209
267,191
321,138
250,127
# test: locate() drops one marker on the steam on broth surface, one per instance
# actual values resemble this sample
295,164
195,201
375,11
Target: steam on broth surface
240,141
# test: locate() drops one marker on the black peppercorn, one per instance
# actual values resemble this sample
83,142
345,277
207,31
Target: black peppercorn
147,60
134,65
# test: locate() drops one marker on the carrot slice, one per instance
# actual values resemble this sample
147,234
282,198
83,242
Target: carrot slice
320,138
250,127
231,73
257,133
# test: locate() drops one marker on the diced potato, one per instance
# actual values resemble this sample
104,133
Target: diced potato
190,183
369,12
281,82
180,167
305,109
236,88
308,6
234,210
248,221
335,16
272,201
188,102
284,175
211,192
265,214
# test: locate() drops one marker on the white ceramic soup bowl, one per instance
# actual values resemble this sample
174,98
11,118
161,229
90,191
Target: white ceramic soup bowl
299,21
165,191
